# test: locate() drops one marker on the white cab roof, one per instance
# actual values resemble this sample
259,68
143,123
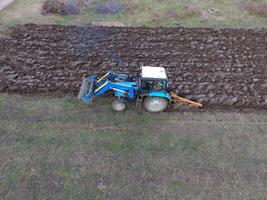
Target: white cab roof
153,72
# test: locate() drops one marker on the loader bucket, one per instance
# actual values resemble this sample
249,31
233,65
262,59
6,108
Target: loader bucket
87,88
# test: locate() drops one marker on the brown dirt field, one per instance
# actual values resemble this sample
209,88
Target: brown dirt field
222,68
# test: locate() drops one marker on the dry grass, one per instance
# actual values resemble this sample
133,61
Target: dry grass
142,13
192,10
255,8
54,148
189,10
61,7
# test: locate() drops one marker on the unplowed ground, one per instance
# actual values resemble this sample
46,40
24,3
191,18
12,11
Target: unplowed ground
221,68
57,148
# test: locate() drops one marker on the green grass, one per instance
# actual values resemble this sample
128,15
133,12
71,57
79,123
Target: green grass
62,20
58,148
143,13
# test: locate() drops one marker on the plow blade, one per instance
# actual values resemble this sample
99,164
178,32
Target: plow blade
178,99
86,88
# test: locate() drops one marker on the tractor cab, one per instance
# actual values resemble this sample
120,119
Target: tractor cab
152,79
152,85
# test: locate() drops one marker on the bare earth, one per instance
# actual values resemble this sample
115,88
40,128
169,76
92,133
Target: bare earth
223,68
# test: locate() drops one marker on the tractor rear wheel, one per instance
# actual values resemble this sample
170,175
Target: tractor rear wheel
155,104
119,105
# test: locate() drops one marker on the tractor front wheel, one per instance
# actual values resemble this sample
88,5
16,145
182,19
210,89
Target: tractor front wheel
119,105
155,104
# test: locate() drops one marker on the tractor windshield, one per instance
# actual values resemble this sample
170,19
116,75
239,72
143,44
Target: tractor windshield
159,85
153,85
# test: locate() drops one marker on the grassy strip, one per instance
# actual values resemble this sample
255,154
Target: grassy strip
57,148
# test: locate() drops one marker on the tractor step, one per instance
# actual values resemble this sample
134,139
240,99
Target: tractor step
139,103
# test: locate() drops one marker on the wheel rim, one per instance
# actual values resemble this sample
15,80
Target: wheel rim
119,106
156,105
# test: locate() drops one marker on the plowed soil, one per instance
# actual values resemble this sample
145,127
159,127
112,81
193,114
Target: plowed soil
220,68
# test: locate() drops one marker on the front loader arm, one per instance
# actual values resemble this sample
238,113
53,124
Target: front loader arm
110,76
126,90
91,83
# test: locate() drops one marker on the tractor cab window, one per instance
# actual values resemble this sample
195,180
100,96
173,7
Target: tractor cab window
159,85
147,85
153,85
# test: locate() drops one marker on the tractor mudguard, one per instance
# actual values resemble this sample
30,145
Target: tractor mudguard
161,94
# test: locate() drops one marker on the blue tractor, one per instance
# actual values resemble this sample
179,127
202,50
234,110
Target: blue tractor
149,90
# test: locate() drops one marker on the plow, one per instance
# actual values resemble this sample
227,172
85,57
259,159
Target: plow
150,90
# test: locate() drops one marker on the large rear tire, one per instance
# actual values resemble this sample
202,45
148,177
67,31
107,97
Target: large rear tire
119,105
155,104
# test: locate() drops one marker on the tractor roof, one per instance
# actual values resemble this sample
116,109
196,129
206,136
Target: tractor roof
153,72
